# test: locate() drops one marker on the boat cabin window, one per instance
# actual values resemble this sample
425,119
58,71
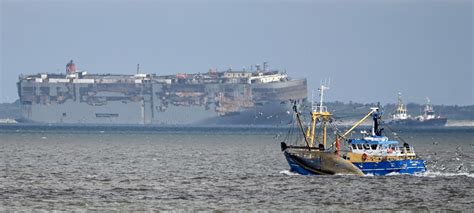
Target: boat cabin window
366,146
354,146
359,146
374,146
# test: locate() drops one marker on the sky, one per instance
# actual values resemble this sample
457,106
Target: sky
371,50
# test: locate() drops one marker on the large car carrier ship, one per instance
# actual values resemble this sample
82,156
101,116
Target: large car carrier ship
259,96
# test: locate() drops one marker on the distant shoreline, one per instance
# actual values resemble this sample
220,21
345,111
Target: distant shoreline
343,112
450,123
342,124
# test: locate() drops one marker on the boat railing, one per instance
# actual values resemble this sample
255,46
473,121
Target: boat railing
407,150
319,108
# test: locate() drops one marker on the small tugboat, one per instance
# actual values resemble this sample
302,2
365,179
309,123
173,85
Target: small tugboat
314,157
377,155
401,113
429,118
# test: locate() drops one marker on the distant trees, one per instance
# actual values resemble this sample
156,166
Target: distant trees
355,110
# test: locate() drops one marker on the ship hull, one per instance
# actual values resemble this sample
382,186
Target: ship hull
396,166
272,113
305,166
424,123
319,163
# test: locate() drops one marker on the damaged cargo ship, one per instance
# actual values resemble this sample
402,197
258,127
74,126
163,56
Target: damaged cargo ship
259,96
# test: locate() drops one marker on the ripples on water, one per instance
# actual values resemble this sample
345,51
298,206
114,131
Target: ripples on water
213,169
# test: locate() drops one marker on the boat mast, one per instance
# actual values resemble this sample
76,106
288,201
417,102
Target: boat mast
318,112
401,111
376,131
295,108
428,106
321,98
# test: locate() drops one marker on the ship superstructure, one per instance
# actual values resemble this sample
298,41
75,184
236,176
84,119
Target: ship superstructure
377,155
261,96
401,111
430,116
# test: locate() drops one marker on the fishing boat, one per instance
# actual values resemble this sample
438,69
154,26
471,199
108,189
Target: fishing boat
310,155
373,154
377,155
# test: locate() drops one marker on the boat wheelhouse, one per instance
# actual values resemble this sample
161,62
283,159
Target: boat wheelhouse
376,154
401,112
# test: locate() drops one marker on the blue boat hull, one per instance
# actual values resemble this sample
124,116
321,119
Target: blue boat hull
396,166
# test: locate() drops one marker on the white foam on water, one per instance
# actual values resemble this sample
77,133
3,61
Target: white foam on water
345,174
457,123
397,174
429,174
288,172
389,174
444,174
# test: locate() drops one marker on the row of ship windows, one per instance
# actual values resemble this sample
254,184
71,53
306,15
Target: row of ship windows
101,115
364,146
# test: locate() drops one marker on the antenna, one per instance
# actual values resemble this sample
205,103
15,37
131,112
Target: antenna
322,97
138,68
375,124
324,86
399,102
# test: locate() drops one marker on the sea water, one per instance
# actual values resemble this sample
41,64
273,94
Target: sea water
69,168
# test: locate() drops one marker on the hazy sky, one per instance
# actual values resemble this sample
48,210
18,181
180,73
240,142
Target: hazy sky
370,49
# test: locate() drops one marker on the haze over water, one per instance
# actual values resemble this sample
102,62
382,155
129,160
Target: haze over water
213,169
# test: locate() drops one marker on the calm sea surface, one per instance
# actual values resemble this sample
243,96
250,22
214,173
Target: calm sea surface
187,168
